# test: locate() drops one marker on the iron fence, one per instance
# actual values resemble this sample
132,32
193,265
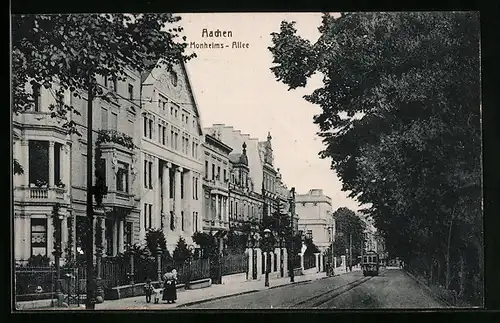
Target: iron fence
114,272
193,270
36,281
145,268
234,264
295,261
309,261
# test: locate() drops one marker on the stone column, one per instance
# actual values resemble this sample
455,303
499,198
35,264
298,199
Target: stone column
67,167
259,262
120,235
103,232
157,195
177,199
217,207
24,161
188,200
285,263
62,165
115,237
226,209
250,263
166,197
344,265
64,233
51,164
27,233
18,238
278,260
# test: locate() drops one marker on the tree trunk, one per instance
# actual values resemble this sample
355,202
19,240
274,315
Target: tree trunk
448,251
463,274
440,270
433,268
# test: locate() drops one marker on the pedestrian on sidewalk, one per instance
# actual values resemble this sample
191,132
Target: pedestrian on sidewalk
169,290
148,290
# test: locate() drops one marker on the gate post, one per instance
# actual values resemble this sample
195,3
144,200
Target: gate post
249,254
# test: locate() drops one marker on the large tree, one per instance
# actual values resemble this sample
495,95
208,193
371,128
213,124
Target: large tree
400,121
349,231
74,52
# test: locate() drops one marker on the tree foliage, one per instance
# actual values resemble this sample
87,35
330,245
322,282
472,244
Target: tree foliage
182,253
348,226
207,243
73,51
311,248
400,122
156,239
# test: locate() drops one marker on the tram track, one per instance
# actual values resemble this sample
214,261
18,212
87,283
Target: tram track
322,298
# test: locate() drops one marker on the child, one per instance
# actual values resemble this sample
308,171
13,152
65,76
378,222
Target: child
148,288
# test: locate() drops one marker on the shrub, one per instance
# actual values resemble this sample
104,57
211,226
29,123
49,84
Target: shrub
182,252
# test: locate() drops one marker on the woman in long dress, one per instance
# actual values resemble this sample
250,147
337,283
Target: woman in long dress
169,290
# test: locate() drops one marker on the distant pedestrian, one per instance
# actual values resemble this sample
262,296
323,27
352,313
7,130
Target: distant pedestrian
169,290
148,290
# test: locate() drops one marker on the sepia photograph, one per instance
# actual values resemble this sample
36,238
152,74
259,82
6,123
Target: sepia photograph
246,161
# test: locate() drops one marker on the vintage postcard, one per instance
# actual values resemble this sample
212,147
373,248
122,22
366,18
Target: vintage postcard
247,161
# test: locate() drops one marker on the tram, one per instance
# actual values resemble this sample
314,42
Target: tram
370,263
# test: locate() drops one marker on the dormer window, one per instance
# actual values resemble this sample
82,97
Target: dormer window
173,78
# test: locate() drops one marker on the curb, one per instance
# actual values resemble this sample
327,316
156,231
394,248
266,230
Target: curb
289,284
217,298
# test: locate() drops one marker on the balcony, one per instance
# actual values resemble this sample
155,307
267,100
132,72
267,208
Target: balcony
119,199
216,224
112,139
217,184
39,120
40,194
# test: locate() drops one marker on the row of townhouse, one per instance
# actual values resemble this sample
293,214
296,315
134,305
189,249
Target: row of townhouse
162,169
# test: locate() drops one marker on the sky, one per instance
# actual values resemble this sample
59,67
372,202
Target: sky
234,86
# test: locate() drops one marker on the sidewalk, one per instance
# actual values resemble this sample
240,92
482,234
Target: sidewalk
184,297
190,297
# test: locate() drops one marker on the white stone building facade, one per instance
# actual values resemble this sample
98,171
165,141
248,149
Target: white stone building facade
55,168
171,156
316,221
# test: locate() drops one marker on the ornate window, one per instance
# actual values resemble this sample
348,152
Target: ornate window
122,177
38,237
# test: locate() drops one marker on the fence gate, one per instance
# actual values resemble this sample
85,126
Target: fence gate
71,279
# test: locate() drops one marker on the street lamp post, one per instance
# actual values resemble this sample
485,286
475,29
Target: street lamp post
291,254
57,258
158,262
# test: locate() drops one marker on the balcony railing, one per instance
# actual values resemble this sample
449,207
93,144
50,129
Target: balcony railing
216,224
39,193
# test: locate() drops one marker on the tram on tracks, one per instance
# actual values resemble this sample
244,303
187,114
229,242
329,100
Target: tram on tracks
370,263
